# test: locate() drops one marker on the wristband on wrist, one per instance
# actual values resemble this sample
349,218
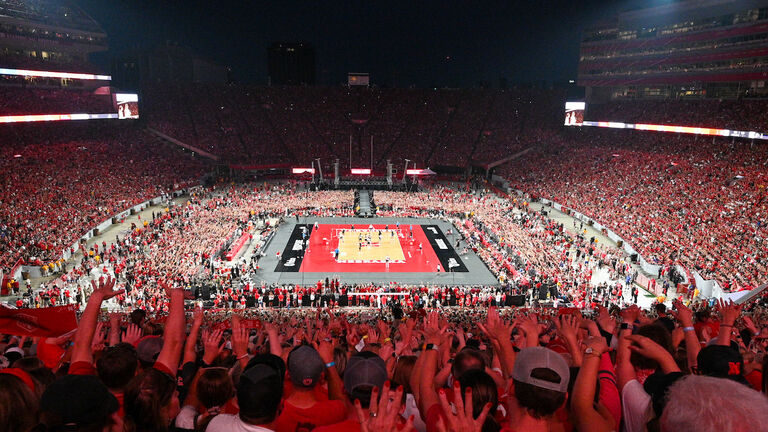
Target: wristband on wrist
626,326
688,329
243,356
387,340
330,365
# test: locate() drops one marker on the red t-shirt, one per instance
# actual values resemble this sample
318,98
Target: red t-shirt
345,426
294,419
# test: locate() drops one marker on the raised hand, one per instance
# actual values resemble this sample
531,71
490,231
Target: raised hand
239,338
383,412
462,420
132,334
568,327
530,327
605,320
104,289
97,344
646,347
683,313
630,314
730,311
495,327
433,333
212,345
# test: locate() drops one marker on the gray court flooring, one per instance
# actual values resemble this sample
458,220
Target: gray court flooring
478,273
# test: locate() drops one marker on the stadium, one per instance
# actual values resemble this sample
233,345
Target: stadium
354,228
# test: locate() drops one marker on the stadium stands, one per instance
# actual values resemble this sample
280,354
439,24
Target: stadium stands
692,199
59,181
264,125
20,101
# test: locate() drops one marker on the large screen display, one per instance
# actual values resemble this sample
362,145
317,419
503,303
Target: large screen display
127,105
574,113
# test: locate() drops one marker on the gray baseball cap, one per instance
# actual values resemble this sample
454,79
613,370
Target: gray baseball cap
529,359
305,366
364,370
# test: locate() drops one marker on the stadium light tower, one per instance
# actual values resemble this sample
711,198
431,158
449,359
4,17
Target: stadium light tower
319,170
405,171
336,173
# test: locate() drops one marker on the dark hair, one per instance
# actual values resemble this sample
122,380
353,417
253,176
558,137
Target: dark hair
260,402
657,333
463,362
18,405
214,388
146,396
41,375
402,373
137,316
539,402
660,308
484,391
117,366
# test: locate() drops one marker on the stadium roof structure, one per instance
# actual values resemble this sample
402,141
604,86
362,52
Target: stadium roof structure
55,13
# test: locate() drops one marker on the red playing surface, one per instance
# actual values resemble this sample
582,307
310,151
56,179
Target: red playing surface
319,258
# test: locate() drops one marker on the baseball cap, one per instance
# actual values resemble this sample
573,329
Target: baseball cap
148,348
364,370
530,359
259,392
305,366
721,361
79,400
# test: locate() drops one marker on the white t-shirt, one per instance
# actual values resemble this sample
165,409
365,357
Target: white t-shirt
186,418
635,407
232,423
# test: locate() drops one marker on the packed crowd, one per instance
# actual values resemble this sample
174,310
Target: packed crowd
532,256
522,247
183,244
692,200
22,101
270,125
59,182
742,114
693,368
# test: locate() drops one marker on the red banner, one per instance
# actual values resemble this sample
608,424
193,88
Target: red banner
45,322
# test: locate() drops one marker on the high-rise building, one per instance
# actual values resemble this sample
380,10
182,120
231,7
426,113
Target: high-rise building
683,49
291,63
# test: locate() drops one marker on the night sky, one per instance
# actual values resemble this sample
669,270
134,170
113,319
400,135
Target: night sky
424,43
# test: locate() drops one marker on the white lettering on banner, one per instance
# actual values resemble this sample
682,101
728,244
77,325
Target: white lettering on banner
441,244
291,262
298,245
434,231
452,263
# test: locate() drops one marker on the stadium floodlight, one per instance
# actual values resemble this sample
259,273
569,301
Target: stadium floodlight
53,117
694,130
51,74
